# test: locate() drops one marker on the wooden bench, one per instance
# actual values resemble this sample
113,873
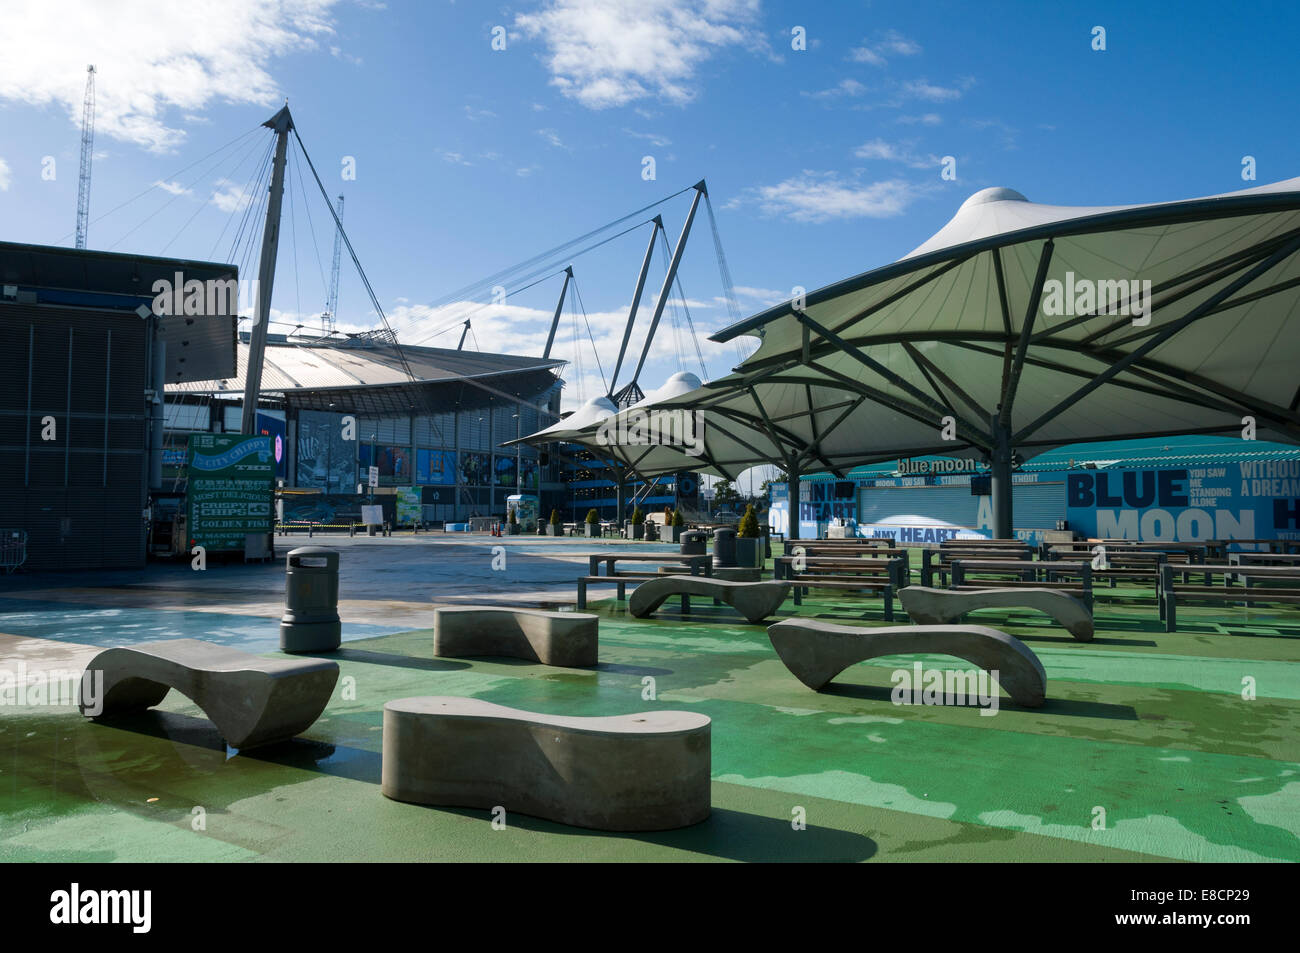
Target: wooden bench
1227,594
815,652
885,576
251,700
941,559
648,771
551,638
1023,574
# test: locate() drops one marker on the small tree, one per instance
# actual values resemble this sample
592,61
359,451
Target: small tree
724,493
678,520
593,516
555,518
638,518
748,528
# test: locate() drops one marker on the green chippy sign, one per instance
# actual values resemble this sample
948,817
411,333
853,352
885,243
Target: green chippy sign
230,489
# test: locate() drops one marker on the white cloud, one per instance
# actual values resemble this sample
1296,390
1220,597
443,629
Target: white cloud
654,139
892,43
552,138
174,188
455,158
825,196
4,176
895,152
155,63
230,196
845,87
606,53
921,89
474,114
927,119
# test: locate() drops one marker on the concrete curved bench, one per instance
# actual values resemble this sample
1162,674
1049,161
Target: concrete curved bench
927,606
644,772
815,652
552,638
252,701
754,600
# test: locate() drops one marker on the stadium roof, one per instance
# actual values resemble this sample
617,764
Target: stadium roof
374,378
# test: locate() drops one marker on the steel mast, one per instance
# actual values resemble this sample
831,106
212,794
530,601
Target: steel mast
281,122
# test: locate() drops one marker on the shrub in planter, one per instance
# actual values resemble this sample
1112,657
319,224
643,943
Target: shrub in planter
678,524
554,527
593,523
749,547
638,524
512,524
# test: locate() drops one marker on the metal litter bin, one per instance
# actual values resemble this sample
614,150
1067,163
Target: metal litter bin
724,547
694,543
311,597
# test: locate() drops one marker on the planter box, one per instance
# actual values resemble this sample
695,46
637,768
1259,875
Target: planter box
749,553
512,529
593,529
554,530
677,533
635,531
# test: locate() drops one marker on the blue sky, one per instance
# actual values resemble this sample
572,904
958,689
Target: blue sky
821,163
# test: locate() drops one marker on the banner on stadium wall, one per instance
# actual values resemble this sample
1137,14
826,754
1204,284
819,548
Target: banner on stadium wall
1257,499
229,488
409,505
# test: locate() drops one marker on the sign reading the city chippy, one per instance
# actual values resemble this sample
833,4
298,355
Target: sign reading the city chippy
230,488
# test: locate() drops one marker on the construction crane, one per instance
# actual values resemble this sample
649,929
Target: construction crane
332,302
87,151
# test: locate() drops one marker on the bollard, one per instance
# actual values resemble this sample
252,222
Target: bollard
724,547
311,598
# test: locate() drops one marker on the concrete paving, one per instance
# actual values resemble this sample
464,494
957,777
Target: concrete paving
1189,741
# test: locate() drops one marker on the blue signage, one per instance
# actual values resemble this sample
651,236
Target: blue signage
1256,499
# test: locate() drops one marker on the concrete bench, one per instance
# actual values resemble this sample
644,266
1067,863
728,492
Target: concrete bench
252,701
937,606
552,638
815,652
642,772
754,600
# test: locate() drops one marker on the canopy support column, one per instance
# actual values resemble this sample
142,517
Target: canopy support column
1000,461
792,488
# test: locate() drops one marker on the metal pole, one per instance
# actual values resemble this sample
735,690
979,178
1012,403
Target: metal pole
792,488
636,300
700,192
559,307
281,122
1000,462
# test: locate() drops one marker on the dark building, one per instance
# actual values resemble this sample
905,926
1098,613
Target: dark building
82,369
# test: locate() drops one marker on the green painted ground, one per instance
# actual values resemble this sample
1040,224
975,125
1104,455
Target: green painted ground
1149,728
